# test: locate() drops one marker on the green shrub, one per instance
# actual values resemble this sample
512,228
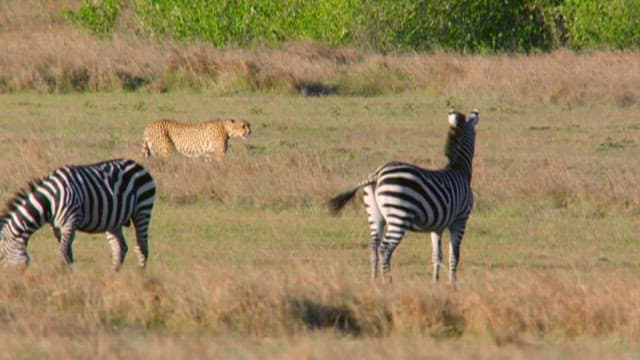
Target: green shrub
98,17
466,25
402,25
243,22
593,24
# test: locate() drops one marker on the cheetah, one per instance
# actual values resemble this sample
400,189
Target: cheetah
209,139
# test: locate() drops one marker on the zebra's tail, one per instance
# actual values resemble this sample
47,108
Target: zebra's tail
336,203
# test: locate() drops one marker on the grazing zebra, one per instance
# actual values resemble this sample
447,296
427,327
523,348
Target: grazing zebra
93,198
406,197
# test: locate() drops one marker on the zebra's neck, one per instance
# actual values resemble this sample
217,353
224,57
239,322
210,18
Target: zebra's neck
460,149
18,226
25,213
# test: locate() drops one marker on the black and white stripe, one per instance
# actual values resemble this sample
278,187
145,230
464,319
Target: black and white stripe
406,197
94,198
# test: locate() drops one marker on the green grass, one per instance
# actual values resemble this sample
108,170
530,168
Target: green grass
246,262
459,25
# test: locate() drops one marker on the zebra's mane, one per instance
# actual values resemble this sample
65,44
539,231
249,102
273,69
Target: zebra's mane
20,195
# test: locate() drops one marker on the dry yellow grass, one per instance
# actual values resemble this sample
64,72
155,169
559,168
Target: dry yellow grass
244,261
272,303
52,56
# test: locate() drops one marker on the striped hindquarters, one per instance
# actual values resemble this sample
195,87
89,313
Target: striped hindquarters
114,193
420,199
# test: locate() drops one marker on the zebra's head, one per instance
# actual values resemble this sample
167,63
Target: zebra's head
460,120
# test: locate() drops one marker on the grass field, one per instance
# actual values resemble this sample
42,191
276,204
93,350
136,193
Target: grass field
245,261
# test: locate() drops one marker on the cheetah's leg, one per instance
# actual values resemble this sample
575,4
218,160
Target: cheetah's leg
220,156
146,149
164,147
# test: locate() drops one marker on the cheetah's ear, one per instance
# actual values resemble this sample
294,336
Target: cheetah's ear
474,117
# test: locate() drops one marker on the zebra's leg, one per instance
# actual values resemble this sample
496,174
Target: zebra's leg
118,247
391,240
141,223
376,230
457,232
436,254
65,236
376,224
57,233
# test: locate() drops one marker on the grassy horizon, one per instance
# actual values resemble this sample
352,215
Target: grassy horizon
45,54
245,261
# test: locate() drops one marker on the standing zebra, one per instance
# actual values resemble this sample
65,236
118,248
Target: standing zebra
407,197
93,198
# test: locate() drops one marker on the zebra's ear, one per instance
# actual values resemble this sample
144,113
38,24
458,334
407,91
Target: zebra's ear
474,117
454,117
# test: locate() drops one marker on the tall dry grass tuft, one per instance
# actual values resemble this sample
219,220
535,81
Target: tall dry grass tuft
284,171
72,61
561,77
561,184
53,57
506,309
292,179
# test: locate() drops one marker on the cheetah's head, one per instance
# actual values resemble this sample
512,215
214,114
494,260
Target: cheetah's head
237,128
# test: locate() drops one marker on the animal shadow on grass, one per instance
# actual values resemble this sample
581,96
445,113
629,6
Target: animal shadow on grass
320,316
315,89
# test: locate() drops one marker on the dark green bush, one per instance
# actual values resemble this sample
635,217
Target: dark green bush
401,25
465,25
